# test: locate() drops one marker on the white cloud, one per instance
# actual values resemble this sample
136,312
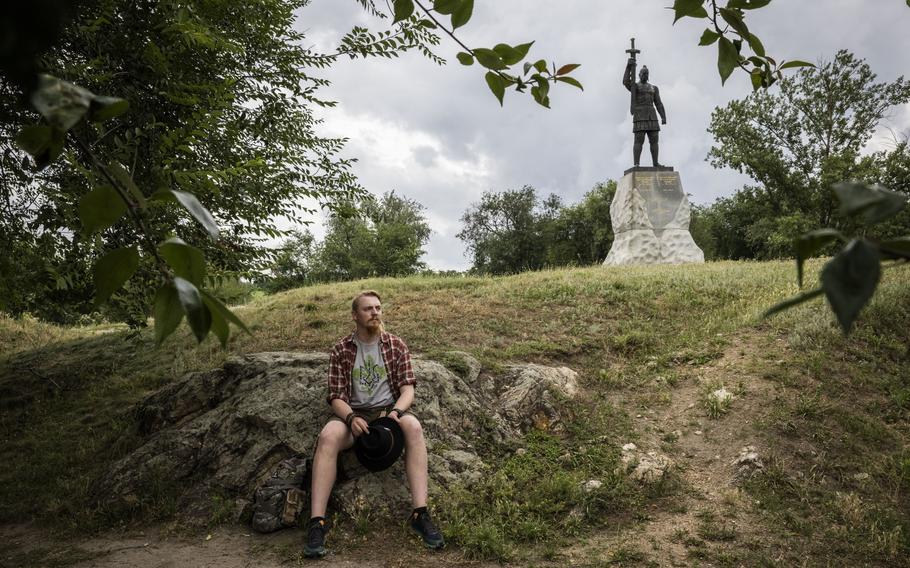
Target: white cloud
438,136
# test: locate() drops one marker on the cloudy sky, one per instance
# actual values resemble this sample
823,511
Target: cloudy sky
437,135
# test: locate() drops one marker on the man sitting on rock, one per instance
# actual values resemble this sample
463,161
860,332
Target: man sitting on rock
370,375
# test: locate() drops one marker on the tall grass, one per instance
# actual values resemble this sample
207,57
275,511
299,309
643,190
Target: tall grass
65,392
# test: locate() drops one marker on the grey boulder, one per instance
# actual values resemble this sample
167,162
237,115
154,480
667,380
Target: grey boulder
222,432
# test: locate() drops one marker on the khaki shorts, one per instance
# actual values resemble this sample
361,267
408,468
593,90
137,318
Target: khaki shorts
372,413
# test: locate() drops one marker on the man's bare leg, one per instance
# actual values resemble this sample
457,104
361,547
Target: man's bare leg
415,459
333,439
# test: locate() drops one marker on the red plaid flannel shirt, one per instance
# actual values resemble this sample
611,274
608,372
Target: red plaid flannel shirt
395,356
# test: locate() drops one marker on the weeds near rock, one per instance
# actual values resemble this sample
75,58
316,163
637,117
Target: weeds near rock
717,402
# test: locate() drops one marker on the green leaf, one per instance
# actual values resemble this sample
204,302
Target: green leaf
197,314
61,103
403,10
496,84
43,142
809,244
100,208
462,13
465,58
854,197
446,6
191,204
106,108
34,139
228,314
756,45
196,209
849,280
126,180
187,261
507,53
489,58
570,81
796,63
794,301
221,316
219,326
540,65
167,312
690,8
757,76
540,91
543,85
736,21
511,55
727,59
871,203
709,37
113,270
896,248
523,49
566,69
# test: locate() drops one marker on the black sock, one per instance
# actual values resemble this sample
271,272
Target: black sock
317,519
420,510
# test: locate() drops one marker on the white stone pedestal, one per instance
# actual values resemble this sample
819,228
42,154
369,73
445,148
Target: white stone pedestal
650,215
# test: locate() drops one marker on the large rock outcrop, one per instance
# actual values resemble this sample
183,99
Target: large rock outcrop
223,431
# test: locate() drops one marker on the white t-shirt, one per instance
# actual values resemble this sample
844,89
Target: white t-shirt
369,379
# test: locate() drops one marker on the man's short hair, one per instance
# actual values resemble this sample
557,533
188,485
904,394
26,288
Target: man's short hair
356,299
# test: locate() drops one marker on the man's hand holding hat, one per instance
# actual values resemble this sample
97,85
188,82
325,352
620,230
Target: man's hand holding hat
357,424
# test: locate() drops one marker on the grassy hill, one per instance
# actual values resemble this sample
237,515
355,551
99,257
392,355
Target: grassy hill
830,416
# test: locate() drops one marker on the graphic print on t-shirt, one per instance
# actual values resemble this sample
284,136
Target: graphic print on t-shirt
370,375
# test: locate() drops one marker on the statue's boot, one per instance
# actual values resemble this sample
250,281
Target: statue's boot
654,156
636,154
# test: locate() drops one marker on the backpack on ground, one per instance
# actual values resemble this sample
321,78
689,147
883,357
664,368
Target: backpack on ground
279,501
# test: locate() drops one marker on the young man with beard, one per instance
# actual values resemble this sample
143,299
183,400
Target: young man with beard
370,375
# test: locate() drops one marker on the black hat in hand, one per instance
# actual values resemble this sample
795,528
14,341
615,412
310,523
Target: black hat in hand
381,445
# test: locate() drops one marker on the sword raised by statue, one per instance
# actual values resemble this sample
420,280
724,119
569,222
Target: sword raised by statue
633,52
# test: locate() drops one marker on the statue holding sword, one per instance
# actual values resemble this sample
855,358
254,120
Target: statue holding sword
645,106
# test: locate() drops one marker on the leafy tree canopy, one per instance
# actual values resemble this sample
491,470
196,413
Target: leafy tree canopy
797,142
809,133
513,230
384,238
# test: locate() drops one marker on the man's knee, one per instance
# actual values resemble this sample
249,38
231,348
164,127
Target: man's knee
411,427
333,437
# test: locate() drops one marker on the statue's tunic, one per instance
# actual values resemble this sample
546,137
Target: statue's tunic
647,104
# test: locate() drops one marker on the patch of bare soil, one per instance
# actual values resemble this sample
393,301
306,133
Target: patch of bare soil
225,547
707,514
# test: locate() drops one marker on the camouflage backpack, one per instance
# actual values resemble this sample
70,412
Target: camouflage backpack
279,501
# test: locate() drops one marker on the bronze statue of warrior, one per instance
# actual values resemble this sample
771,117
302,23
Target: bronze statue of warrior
645,107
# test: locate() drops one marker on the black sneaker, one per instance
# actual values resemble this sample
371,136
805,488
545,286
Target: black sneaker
315,540
423,525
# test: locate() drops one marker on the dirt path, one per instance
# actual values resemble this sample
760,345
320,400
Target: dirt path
708,513
226,547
